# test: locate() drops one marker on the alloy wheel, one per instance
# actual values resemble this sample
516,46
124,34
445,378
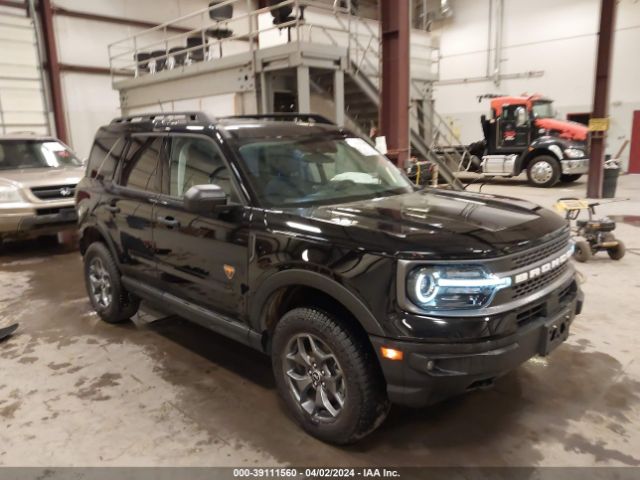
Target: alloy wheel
315,377
100,283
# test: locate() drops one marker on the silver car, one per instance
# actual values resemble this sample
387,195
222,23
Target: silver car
38,177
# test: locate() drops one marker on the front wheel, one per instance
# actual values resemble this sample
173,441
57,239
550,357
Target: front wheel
568,178
582,252
328,376
543,171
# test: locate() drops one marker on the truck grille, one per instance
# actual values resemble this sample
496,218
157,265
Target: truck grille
57,192
540,253
534,284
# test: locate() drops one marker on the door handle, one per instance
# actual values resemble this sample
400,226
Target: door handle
169,221
112,209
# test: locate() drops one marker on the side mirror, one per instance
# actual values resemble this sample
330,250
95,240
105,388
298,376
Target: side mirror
204,198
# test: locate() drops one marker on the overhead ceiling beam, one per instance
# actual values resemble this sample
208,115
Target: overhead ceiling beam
13,4
65,12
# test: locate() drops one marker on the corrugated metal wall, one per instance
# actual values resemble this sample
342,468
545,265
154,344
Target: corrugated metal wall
22,95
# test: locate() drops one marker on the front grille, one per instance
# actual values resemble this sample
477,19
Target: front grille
531,314
57,192
534,284
566,293
540,253
54,211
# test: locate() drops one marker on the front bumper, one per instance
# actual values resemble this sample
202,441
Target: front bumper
41,220
430,372
576,166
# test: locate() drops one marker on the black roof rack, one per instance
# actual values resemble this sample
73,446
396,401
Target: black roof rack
287,117
185,117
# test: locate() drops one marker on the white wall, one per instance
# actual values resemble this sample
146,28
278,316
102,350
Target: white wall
89,99
556,36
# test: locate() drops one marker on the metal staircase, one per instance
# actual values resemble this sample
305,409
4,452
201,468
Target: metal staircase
432,138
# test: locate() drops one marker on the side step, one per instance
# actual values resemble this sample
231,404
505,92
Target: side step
213,321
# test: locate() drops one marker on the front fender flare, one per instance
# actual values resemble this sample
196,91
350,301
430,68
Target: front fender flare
298,277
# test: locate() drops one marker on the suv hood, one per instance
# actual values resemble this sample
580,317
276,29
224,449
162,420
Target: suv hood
42,177
428,224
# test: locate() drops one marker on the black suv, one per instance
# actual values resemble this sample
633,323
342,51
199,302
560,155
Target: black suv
298,238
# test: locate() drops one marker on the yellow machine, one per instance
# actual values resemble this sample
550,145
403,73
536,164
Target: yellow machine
592,235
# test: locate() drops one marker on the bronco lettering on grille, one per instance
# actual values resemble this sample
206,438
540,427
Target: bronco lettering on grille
542,269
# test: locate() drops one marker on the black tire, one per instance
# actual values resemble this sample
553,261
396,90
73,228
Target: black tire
617,252
123,305
543,171
365,404
582,252
566,178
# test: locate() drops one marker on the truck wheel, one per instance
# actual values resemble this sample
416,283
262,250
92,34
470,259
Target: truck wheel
566,178
328,376
106,293
582,252
543,171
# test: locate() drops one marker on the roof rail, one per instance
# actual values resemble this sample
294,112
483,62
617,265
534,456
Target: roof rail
288,117
185,117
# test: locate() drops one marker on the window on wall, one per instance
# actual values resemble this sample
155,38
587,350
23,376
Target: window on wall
197,161
140,167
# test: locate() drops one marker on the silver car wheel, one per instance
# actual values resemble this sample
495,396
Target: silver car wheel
315,377
100,283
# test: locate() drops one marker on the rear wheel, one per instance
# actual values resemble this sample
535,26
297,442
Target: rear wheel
582,252
328,376
543,171
566,178
617,252
107,295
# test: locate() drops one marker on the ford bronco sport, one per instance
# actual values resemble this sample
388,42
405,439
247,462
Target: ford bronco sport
38,177
298,238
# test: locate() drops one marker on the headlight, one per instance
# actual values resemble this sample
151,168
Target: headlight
9,195
574,153
453,287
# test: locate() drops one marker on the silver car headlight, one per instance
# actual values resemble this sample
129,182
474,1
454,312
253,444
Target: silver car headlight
574,153
439,288
9,194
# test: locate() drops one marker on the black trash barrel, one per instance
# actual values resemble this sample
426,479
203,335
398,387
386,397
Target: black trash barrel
611,174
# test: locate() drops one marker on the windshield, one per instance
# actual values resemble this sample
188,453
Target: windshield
543,110
316,170
17,154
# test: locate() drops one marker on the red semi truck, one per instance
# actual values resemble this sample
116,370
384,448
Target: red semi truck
522,134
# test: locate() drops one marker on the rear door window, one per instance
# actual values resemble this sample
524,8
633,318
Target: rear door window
104,157
140,168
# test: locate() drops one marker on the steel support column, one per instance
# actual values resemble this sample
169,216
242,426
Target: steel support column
338,96
304,90
395,24
53,70
601,96
266,96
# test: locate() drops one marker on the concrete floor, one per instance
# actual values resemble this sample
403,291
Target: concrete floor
77,392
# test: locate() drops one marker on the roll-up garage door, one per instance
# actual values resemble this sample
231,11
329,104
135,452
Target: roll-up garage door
22,95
